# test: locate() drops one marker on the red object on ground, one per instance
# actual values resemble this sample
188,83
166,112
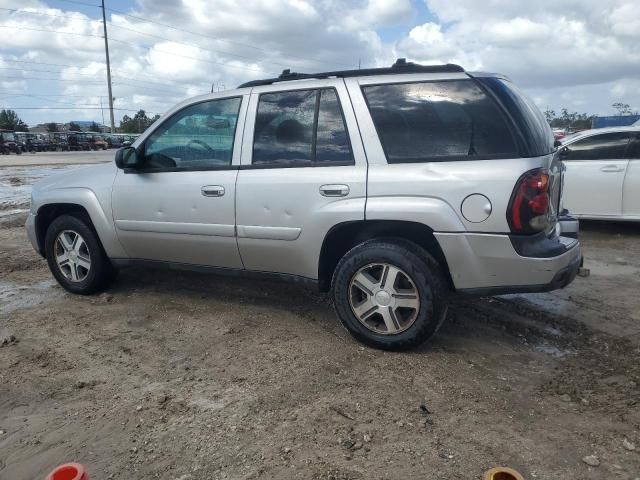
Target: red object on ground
68,471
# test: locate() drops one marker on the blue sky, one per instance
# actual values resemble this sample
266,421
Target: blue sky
583,55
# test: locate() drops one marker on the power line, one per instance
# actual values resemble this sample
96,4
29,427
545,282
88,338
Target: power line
135,45
75,66
88,19
111,24
225,64
18,94
81,108
81,3
46,14
54,101
50,79
50,31
221,39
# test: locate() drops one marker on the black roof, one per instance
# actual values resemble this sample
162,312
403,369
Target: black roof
401,66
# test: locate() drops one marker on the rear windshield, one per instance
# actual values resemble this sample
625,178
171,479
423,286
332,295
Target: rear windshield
535,137
439,121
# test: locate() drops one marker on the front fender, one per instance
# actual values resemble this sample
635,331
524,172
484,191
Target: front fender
100,213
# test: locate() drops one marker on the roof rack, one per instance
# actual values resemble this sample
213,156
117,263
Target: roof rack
401,66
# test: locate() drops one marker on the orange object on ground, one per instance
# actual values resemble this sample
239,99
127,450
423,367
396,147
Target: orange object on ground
502,473
68,471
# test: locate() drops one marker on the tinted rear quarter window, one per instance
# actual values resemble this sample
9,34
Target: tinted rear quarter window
438,121
534,134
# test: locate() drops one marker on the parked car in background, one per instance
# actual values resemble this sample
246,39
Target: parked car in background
559,133
29,142
58,142
78,141
97,142
9,143
390,187
602,179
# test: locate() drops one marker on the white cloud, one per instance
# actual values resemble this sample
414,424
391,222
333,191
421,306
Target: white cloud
541,44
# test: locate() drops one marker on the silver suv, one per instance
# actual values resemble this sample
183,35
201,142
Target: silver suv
390,187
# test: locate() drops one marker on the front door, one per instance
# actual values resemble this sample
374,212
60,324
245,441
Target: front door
179,206
596,167
303,171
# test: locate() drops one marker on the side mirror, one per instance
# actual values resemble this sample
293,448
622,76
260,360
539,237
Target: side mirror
564,151
127,157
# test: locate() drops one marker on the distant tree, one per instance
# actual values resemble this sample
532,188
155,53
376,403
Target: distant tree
138,124
74,127
622,108
10,120
94,127
569,119
550,115
51,127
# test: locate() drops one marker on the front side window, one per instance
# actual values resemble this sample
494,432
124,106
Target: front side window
300,128
438,121
599,147
198,137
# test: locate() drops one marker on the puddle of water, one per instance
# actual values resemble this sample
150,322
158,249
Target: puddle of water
8,213
552,350
15,297
16,183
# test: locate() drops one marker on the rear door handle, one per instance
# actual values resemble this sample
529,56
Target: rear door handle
611,169
334,190
212,190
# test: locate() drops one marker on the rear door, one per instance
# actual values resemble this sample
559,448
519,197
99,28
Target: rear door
303,171
596,168
631,187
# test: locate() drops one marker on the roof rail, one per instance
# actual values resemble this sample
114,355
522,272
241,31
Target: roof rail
400,66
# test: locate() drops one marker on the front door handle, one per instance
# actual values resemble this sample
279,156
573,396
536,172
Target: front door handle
611,169
334,190
212,190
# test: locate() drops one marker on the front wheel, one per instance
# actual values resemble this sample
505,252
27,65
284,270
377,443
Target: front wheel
390,294
76,257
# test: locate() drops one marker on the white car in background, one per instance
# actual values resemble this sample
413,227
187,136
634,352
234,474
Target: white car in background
602,179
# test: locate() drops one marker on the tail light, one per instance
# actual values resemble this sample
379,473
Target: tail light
529,208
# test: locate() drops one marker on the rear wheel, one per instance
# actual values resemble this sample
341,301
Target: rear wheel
76,257
389,294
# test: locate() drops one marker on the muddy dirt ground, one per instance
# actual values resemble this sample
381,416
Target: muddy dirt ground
173,375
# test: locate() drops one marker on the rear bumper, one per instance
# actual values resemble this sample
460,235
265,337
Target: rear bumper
493,264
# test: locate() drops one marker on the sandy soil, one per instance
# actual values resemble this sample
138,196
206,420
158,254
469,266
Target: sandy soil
185,376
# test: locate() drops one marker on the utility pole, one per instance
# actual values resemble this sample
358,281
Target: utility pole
106,52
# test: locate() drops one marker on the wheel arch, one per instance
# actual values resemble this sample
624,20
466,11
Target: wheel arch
49,212
81,202
344,236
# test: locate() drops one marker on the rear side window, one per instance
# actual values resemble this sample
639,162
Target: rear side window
534,134
634,147
300,128
438,121
599,147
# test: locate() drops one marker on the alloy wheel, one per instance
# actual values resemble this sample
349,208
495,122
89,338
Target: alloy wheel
72,255
384,298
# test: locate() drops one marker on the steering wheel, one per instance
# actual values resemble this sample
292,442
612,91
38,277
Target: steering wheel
201,144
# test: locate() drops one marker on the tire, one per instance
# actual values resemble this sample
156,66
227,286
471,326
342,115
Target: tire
85,280
418,277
